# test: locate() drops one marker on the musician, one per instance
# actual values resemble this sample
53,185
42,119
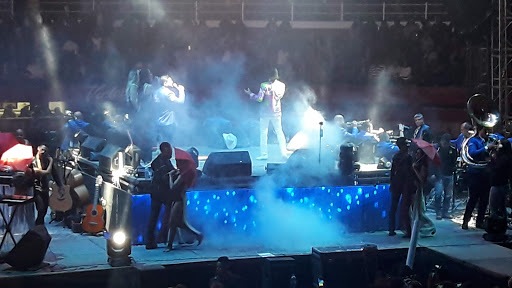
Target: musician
444,177
71,128
42,165
269,96
501,170
385,149
346,131
161,192
478,178
465,133
401,186
422,130
165,99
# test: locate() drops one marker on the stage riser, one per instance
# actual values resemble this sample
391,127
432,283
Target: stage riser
235,212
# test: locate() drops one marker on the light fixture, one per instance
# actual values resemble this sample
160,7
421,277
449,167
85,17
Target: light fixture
119,248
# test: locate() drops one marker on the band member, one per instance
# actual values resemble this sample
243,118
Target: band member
477,178
165,99
43,164
269,96
422,130
501,171
465,133
161,192
444,177
402,185
138,86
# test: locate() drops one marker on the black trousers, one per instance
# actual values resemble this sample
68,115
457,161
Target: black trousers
42,200
156,206
479,187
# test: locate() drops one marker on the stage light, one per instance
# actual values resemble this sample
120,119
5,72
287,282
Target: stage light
119,238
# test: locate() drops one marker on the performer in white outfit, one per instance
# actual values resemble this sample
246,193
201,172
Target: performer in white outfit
269,96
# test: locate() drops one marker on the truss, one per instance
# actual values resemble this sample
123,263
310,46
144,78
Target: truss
501,57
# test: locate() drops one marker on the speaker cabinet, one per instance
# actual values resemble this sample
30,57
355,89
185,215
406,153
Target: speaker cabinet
30,250
228,164
92,144
109,158
344,266
277,272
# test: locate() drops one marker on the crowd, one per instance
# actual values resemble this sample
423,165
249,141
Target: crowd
101,48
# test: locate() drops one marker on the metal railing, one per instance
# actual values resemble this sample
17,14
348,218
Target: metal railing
252,11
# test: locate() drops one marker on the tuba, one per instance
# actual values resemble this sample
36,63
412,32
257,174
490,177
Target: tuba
483,112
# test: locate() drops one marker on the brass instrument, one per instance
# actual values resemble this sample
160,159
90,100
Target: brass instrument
483,112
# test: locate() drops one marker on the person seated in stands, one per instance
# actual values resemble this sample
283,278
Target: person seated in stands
224,275
71,128
25,111
9,112
20,136
385,149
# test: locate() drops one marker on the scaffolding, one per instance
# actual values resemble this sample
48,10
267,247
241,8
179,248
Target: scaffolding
501,57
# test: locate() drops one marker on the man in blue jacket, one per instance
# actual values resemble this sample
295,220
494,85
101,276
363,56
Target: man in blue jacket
478,178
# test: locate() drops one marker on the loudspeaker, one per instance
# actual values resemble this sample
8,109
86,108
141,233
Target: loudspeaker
228,164
30,250
277,272
344,266
109,158
92,144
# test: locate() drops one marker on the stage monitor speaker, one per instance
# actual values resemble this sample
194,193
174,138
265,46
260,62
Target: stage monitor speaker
344,266
109,158
30,250
228,164
92,144
277,272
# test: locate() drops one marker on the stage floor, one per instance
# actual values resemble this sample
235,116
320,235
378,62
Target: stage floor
69,252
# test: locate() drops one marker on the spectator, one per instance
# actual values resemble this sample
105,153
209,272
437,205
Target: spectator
9,112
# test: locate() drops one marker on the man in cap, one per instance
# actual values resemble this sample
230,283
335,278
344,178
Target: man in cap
269,96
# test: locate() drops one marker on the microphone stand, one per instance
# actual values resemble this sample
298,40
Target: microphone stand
320,141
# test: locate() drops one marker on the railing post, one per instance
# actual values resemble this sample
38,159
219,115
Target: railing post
426,10
196,13
93,5
383,11
341,11
243,9
292,12
12,8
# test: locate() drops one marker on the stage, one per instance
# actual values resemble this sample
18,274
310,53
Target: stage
85,257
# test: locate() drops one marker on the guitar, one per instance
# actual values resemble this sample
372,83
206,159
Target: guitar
93,221
60,199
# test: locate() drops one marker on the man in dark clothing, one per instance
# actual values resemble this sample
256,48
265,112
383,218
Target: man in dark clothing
478,178
444,177
161,193
422,130
402,185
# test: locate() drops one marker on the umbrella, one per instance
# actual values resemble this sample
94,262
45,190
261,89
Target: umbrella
18,157
429,150
7,141
187,166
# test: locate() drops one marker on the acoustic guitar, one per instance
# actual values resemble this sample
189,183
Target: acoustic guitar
60,199
93,221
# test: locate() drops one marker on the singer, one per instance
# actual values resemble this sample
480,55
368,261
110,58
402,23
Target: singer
269,97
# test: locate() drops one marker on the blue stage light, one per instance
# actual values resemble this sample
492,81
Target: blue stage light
348,197
337,194
383,215
339,209
376,205
233,193
348,207
289,190
227,193
332,204
366,195
323,188
357,202
188,202
225,221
